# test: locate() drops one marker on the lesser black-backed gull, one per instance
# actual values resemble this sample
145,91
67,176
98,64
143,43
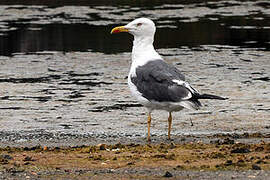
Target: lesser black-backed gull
156,84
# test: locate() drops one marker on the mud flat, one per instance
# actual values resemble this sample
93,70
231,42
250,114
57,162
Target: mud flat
223,159
83,98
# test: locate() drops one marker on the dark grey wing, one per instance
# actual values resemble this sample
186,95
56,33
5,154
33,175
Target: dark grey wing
161,82
161,70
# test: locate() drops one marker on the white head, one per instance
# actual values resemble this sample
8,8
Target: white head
143,30
141,27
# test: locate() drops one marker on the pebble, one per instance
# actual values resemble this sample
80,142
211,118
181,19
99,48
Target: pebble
101,146
256,167
168,174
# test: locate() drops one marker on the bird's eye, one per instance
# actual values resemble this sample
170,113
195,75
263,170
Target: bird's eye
139,24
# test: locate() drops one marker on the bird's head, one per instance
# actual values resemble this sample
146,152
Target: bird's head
139,27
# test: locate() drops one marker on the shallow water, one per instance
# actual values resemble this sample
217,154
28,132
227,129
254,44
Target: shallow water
63,75
82,28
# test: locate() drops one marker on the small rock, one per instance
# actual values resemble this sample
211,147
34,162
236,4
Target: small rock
259,149
172,146
240,150
102,146
28,158
3,161
260,162
130,163
240,161
168,174
179,167
228,162
228,141
256,167
118,146
6,156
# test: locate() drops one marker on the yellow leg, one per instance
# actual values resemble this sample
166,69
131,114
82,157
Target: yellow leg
170,125
149,125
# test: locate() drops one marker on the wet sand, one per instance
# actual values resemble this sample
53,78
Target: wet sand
48,98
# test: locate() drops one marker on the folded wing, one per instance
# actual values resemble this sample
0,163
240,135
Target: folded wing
161,82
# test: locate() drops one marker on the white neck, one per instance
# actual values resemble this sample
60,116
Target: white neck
143,50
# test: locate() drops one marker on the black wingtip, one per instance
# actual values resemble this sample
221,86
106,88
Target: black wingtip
210,96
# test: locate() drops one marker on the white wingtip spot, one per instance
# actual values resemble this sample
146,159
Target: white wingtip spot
186,84
179,82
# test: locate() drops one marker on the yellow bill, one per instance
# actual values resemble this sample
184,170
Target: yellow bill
119,29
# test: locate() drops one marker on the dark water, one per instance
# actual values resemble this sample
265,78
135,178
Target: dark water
140,3
84,37
250,31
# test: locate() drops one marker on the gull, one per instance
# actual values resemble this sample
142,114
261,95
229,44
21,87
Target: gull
156,84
